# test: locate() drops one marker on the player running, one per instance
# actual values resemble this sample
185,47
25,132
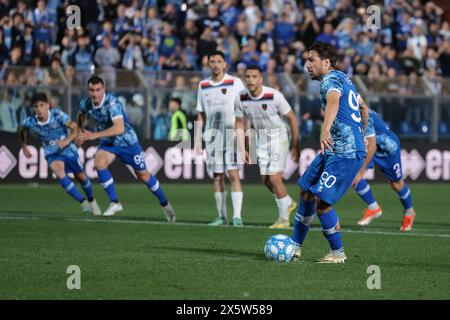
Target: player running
57,132
331,173
215,106
117,139
265,108
383,149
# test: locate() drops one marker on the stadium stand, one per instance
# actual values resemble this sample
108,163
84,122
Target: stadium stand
157,50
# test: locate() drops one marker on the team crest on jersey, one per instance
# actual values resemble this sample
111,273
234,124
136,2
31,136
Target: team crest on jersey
264,106
224,90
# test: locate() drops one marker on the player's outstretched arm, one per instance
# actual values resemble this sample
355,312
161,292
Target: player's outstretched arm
198,133
371,146
23,136
293,124
331,110
116,129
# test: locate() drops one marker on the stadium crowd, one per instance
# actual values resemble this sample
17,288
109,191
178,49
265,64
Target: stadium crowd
154,35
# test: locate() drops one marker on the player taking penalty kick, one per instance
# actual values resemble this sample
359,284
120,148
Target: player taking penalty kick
265,109
57,132
117,139
343,152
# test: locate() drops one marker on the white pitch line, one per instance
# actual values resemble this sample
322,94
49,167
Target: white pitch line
199,224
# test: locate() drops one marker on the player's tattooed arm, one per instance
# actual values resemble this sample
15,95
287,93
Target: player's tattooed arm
198,128
371,146
23,135
295,147
364,110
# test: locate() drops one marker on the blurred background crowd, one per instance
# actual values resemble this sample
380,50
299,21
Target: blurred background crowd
167,41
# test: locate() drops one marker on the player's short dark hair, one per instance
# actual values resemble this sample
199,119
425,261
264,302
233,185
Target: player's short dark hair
254,67
216,53
325,51
176,99
95,80
39,97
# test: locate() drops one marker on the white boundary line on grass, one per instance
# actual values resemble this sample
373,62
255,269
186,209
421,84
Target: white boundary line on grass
200,224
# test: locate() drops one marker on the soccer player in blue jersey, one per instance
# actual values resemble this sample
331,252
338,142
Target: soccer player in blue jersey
383,149
117,139
343,152
57,132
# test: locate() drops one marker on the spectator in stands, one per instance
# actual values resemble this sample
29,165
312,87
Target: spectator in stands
417,43
11,36
10,102
285,30
82,59
42,23
364,46
206,44
132,56
169,41
249,53
327,35
107,58
229,13
212,20
444,58
107,30
310,28
4,52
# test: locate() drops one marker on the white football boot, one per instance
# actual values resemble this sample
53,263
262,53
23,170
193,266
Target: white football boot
86,207
112,209
170,213
333,257
297,254
95,208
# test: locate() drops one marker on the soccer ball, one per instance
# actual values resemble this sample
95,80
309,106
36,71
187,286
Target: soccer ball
280,248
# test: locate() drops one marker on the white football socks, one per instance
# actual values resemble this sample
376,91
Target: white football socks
236,198
283,206
221,204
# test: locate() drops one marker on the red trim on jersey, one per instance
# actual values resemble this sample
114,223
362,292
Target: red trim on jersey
267,96
226,82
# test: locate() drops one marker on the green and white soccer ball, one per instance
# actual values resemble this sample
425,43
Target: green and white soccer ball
280,248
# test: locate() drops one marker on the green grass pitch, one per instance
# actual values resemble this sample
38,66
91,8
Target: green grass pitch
136,255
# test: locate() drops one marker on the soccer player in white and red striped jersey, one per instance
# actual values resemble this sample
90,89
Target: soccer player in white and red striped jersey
215,106
266,109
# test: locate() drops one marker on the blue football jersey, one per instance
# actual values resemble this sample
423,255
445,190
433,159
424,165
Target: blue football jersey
387,141
51,131
110,109
346,130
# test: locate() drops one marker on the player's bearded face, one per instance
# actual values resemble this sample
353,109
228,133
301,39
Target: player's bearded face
254,80
314,65
217,65
96,92
41,109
